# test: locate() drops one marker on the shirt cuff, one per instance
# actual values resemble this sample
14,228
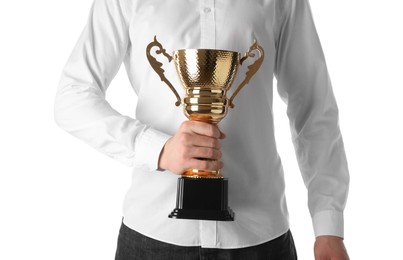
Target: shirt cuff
328,223
148,148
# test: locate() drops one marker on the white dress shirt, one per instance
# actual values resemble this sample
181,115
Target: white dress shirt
118,31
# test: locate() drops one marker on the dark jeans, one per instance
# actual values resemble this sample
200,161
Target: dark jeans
133,245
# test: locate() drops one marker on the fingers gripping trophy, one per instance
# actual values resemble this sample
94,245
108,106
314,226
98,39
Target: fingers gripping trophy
206,75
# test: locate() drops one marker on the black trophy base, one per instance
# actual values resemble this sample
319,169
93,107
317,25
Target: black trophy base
204,199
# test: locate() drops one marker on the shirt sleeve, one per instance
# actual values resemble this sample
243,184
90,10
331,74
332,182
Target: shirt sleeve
80,105
304,84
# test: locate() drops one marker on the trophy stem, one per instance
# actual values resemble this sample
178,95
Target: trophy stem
204,118
202,174
198,173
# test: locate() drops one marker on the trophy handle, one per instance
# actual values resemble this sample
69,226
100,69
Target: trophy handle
252,69
157,66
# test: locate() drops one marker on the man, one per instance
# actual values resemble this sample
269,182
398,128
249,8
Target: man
160,143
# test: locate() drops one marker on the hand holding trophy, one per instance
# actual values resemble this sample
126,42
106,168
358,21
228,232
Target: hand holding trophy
206,75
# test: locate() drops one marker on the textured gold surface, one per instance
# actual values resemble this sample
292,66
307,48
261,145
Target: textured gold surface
206,75
206,69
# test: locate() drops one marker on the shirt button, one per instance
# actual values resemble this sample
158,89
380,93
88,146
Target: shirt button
207,10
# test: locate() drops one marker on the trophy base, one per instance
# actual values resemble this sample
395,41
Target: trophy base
203,199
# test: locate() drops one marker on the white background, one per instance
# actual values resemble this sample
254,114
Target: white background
60,199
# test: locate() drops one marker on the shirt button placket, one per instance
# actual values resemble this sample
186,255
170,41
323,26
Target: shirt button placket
207,24
208,229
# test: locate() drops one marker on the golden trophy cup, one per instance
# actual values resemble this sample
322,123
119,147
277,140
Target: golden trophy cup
206,75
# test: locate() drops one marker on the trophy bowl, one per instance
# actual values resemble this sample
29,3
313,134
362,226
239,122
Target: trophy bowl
206,76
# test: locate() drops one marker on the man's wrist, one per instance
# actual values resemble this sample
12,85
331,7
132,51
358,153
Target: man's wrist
330,247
